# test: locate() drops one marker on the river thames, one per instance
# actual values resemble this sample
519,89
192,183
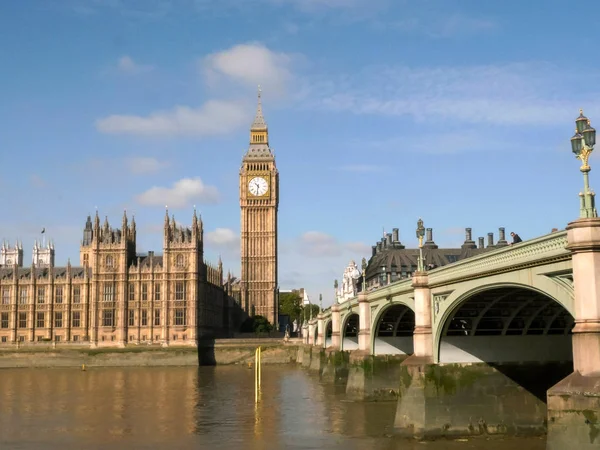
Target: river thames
190,408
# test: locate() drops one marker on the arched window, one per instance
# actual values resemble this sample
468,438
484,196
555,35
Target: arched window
179,261
109,261
86,259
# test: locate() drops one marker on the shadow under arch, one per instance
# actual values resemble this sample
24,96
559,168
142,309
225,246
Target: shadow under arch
522,332
393,329
328,333
349,332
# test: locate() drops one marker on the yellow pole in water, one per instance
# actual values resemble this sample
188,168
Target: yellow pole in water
257,374
259,366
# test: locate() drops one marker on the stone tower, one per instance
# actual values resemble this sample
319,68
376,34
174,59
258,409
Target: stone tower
43,254
108,252
259,201
11,255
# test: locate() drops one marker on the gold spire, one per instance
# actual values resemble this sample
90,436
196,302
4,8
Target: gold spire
258,131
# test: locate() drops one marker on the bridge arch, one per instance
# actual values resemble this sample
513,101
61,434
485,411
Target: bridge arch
504,323
328,327
392,329
349,331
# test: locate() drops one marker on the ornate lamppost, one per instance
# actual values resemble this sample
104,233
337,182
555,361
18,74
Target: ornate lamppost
335,291
582,144
364,275
420,236
320,303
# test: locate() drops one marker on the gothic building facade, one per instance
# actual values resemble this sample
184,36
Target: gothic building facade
117,297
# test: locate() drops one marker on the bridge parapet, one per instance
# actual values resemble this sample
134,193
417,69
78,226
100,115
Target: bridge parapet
548,248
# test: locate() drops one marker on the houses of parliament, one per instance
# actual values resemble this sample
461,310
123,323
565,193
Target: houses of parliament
117,297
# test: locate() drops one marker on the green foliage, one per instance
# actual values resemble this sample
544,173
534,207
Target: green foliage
290,304
256,324
315,311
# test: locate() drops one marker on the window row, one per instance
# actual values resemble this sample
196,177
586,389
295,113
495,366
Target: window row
109,320
42,319
146,291
41,294
109,260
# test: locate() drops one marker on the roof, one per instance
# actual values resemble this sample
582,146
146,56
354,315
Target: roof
259,151
6,273
396,258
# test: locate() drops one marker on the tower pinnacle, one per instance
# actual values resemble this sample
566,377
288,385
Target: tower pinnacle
258,130
259,120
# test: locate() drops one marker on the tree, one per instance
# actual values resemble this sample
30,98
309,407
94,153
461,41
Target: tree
290,304
256,324
315,311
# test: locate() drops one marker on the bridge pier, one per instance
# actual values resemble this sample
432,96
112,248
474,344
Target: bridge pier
364,331
311,333
320,331
422,335
574,403
336,327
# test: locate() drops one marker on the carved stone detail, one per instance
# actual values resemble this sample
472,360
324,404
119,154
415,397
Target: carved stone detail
437,299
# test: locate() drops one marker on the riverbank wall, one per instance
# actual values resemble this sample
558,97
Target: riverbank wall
217,352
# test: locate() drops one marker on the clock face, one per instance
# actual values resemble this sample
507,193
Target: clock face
258,186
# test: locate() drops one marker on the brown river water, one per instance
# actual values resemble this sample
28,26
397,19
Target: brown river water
191,408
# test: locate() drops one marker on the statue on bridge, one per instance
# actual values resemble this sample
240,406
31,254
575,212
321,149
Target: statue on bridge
348,288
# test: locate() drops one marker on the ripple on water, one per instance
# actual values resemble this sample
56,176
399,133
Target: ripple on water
189,408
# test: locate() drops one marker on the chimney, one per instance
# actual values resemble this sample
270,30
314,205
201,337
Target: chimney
490,240
389,239
468,235
383,243
429,235
378,247
501,237
480,242
373,250
395,235
150,254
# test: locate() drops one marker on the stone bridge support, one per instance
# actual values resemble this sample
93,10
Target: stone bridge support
574,403
320,330
364,314
422,335
336,327
311,333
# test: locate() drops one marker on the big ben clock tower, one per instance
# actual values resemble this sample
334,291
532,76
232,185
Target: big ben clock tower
259,200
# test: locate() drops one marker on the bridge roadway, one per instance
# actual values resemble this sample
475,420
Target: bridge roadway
515,304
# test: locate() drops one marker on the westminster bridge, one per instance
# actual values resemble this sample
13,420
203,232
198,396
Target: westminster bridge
528,313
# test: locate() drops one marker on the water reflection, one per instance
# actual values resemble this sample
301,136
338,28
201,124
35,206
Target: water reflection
185,408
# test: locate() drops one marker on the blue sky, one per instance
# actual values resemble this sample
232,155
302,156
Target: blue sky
379,112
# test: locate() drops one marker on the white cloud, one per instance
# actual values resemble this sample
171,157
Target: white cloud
511,94
180,195
128,66
215,117
249,64
223,238
145,165
318,244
